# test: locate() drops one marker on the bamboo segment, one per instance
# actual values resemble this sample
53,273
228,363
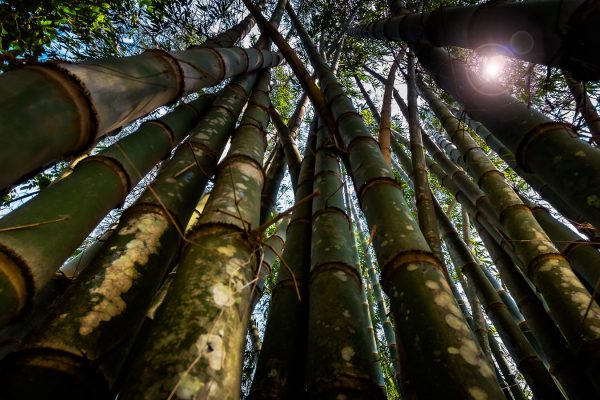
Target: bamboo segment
212,285
83,95
108,302
583,255
339,347
543,147
521,351
381,309
272,249
194,347
273,178
280,368
442,356
566,297
507,373
58,219
546,334
547,337
550,32
292,155
276,170
519,347
545,191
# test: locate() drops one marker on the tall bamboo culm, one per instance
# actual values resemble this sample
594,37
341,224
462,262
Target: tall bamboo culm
411,275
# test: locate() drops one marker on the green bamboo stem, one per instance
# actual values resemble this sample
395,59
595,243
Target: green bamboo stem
545,191
368,99
218,299
376,358
550,32
507,373
236,33
11,337
423,196
203,358
517,343
546,335
276,169
411,275
272,248
281,366
544,147
583,255
520,349
292,154
481,328
83,95
561,362
566,297
339,348
73,206
381,309
385,122
108,302
273,178
304,77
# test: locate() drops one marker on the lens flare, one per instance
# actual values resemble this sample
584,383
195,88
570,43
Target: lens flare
492,67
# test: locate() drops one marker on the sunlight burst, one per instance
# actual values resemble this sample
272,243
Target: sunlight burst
492,67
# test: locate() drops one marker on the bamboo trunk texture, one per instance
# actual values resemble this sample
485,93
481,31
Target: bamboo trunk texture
385,123
545,191
545,333
507,372
567,299
184,359
381,309
273,178
212,286
520,349
583,255
281,366
339,347
549,149
442,357
292,154
50,227
500,313
83,95
108,301
272,249
550,32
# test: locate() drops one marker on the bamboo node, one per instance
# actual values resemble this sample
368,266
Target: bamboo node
535,133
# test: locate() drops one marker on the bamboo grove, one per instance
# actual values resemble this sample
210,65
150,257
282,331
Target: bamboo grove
436,238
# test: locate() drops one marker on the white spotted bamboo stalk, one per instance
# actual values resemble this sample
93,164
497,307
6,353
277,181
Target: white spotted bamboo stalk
407,264
63,214
213,284
108,301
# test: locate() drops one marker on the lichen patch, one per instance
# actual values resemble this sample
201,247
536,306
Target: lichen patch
347,353
210,347
222,295
120,273
478,393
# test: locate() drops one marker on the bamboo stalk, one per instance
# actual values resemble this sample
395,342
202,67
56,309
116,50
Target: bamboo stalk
83,95
98,184
531,33
407,264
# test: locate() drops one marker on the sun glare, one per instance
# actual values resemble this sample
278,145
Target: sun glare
492,67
